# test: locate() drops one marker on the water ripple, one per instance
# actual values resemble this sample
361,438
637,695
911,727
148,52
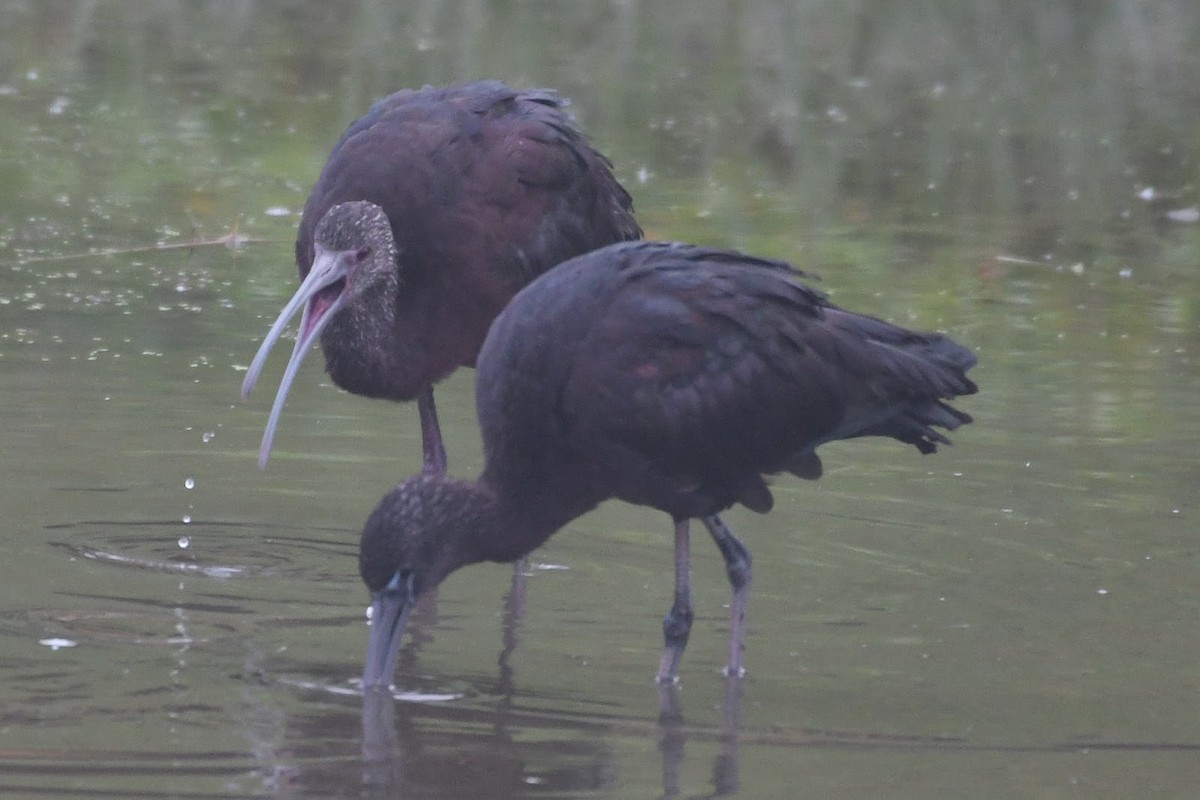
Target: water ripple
218,550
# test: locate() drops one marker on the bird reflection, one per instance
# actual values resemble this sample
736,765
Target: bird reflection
380,743
673,737
426,617
391,742
404,750
514,612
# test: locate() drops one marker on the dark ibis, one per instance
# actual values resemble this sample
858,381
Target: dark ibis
669,376
431,212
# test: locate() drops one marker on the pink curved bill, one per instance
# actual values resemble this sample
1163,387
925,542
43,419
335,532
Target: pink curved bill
328,268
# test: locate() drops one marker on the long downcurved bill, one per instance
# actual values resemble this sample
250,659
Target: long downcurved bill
389,618
328,268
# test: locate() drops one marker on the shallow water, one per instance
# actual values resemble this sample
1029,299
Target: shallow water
1015,616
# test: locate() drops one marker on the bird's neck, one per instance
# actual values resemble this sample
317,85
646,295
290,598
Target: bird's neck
362,346
394,340
487,526
545,501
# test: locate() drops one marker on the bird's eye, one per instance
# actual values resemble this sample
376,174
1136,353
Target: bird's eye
362,254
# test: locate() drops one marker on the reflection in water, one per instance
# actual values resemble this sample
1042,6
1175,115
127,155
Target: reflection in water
726,773
514,613
382,757
399,758
463,752
405,749
1014,174
305,739
400,747
425,620
394,756
408,750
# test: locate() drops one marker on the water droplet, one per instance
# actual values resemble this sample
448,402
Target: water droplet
187,519
56,644
185,542
189,483
207,436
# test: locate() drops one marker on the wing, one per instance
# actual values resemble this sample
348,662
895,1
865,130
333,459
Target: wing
472,174
707,369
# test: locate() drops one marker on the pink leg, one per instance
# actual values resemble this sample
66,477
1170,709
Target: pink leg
677,624
737,567
431,435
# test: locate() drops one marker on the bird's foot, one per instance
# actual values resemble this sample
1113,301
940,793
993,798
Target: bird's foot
666,680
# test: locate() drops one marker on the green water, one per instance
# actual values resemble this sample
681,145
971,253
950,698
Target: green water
1013,617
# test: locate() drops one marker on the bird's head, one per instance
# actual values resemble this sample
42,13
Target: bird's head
353,249
354,255
416,536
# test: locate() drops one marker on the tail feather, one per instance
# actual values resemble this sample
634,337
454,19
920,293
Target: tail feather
915,425
916,372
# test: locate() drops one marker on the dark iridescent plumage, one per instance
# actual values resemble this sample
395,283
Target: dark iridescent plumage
665,375
432,211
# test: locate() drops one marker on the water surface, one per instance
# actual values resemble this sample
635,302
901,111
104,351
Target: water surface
1013,617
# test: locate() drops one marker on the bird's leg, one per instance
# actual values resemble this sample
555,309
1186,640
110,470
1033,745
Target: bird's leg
431,434
677,624
737,567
